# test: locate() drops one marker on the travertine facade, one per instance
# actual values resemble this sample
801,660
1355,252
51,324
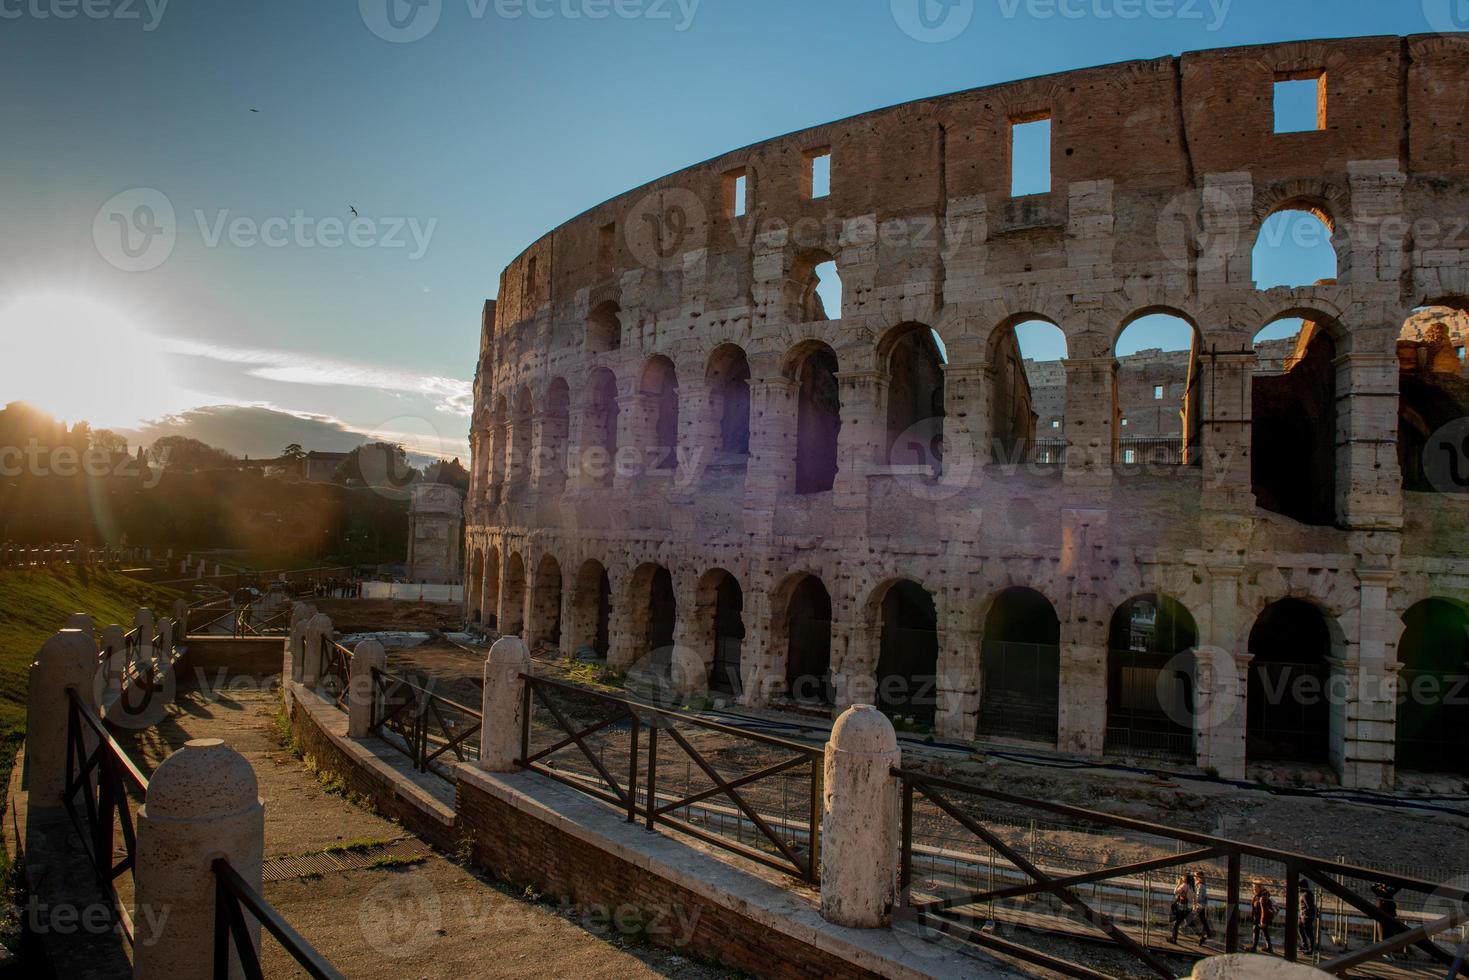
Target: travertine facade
435,522
776,503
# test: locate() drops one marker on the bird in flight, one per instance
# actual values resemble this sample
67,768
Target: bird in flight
353,210
254,110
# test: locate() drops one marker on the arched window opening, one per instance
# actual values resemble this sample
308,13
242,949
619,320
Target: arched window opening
490,606
808,644
499,449
1433,396
604,328
474,588
552,461
1288,713
818,420
1433,688
728,380
915,367
1028,407
1293,442
520,438
599,437
1020,663
1150,687
723,604
819,285
1295,249
546,603
514,596
659,615
660,386
907,663
592,601
1155,383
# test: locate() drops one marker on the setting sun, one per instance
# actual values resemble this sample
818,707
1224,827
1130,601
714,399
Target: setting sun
84,361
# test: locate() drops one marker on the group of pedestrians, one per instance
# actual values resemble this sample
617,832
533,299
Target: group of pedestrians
1191,907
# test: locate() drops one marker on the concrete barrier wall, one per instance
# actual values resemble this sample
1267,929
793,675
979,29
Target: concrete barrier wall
361,615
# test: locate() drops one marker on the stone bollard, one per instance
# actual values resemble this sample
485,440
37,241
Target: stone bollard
181,619
1247,966
859,820
203,803
504,704
318,628
67,661
368,656
82,623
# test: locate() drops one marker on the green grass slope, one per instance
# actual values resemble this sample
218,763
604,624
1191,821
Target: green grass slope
33,605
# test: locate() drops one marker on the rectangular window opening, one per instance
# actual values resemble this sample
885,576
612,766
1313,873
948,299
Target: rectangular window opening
816,176
1157,393
1300,102
1030,156
1129,455
736,193
1055,423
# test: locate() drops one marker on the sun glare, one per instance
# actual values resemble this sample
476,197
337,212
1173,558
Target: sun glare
81,361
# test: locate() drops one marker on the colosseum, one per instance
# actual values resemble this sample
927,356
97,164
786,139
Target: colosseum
1247,550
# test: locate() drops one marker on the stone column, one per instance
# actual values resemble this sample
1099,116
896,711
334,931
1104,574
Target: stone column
1090,421
1228,431
636,437
203,804
318,628
1221,679
1369,714
968,417
67,661
1369,482
1082,721
698,433
772,470
367,657
859,820
759,680
504,704
862,443
957,684
181,618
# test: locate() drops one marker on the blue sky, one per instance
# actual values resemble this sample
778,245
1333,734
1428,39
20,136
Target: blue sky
459,148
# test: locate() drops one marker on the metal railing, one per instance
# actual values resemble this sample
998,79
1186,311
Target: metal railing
428,725
102,788
790,845
233,898
965,913
336,670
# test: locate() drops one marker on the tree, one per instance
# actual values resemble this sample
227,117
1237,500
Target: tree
107,441
293,452
376,464
184,455
451,473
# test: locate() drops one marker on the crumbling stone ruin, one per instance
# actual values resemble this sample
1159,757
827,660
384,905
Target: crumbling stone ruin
679,451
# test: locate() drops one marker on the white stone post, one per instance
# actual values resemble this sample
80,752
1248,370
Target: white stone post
368,656
67,661
82,623
504,705
319,627
859,820
203,803
181,619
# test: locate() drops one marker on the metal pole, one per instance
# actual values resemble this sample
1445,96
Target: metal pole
652,775
632,773
1231,918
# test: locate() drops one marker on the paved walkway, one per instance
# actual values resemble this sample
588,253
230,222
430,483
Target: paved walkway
374,899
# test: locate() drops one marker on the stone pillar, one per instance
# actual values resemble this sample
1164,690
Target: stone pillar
957,684
143,623
82,623
1082,710
1369,716
203,803
504,704
1368,480
968,418
698,433
1228,431
760,679
1221,679
295,645
181,618
859,820
1090,421
67,661
367,657
772,470
862,442
318,628
636,437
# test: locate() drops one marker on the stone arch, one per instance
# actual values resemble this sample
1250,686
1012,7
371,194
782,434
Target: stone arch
499,448
813,366
808,273
1289,714
912,359
801,633
727,375
556,429
1293,451
1157,411
719,629
652,614
599,426
490,603
1432,690
474,585
513,597
1027,397
546,603
904,616
1150,685
591,608
520,436
659,387
1432,396
1323,203
1020,667
604,328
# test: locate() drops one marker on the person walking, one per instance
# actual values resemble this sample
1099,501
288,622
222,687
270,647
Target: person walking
1201,907
1183,900
1262,916
1309,918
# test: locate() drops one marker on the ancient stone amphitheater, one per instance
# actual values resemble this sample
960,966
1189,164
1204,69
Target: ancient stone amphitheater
679,452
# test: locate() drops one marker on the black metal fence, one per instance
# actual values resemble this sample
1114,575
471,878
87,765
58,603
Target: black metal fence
753,795
336,670
1020,691
233,899
1003,888
427,726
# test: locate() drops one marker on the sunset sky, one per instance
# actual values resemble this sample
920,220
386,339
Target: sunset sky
245,325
